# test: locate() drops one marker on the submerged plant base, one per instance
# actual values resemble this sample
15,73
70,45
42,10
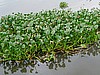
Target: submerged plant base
53,56
26,36
61,61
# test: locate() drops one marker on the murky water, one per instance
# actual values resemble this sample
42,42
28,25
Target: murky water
82,63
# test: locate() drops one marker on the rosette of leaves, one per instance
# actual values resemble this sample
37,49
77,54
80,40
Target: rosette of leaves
63,5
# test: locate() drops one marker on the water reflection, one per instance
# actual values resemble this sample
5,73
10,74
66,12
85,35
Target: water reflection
61,60
22,67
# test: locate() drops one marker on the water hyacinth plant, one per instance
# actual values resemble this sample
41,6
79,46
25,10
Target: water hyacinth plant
26,36
63,5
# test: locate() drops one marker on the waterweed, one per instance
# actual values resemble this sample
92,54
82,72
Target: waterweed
33,35
63,5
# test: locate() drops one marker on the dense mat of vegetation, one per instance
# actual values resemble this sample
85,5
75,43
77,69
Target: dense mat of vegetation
25,36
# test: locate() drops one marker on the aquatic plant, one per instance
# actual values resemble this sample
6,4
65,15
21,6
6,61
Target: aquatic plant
30,66
63,5
33,35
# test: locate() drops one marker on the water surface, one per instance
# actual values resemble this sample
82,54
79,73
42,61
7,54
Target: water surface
26,6
84,62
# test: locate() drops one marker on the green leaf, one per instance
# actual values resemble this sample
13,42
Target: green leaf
23,46
96,26
2,44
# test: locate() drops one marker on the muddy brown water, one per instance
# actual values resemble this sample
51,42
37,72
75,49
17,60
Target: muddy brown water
82,63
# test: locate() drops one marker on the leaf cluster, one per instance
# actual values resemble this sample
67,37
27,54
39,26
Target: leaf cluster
23,36
63,5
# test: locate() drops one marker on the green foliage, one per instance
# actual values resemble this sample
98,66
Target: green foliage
63,5
24,36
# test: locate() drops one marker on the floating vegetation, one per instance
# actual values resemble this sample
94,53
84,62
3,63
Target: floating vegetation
28,36
30,66
63,5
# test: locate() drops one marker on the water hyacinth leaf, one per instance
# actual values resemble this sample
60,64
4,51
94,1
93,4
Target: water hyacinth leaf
37,35
6,26
96,26
27,42
94,22
53,32
6,50
17,37
1,54
98,36
18,32
81,30
3,33
6,39
67,37
18,28
58,38
31,23
2,44
41,23
32,41
83,46
23,46
33,31
25,24
29,28
47,32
